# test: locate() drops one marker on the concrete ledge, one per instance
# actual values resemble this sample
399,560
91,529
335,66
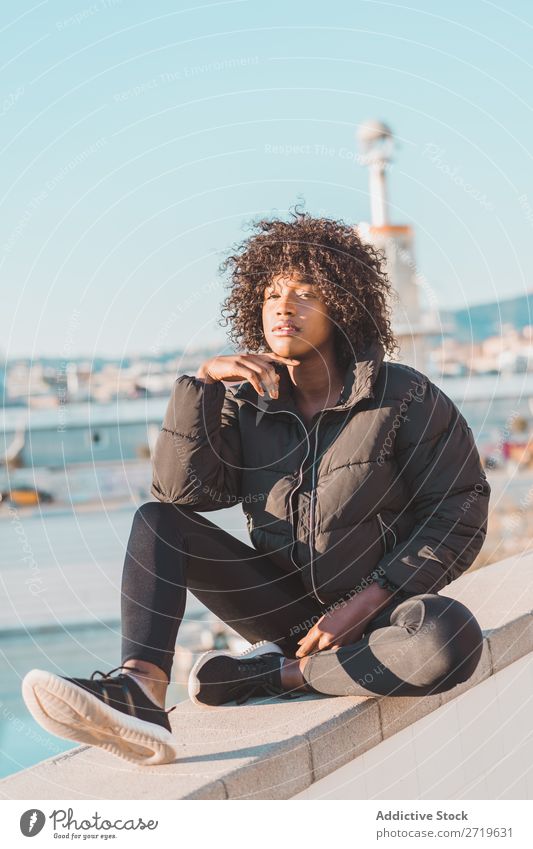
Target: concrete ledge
275,749
510,642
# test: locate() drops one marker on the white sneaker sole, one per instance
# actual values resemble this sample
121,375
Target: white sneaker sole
194,684
69,711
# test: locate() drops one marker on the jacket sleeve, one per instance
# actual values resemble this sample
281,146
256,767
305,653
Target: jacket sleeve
197,461
448,493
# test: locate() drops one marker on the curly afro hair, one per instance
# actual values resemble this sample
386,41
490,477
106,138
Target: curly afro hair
329,253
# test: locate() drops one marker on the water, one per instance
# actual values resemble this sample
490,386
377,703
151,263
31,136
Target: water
122,431
22,741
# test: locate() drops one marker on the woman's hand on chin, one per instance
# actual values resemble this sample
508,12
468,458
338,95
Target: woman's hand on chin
258,369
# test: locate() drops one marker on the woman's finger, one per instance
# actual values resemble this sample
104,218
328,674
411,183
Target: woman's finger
306,647
267,376
325,642
257,376
309,641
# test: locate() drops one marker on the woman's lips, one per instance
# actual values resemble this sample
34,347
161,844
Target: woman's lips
285,331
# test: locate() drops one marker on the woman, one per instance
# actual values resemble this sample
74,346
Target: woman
353,473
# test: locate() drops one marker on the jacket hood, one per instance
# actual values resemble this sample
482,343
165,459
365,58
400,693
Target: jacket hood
359,379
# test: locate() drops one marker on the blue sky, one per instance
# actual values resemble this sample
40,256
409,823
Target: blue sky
138,139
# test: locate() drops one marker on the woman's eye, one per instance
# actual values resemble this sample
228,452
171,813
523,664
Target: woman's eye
300,294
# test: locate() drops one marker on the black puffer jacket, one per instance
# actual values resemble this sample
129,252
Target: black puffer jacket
393,480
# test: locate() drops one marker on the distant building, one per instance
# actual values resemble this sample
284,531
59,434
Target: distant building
412,323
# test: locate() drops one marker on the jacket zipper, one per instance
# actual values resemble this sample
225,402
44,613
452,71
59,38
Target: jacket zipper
312,498
300,472
312,494
382,526
312,517
295,489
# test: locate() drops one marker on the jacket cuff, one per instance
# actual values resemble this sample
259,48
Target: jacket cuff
379,577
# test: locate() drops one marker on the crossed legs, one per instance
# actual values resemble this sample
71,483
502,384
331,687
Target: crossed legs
425,644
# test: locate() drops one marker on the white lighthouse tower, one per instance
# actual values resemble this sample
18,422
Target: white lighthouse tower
412,321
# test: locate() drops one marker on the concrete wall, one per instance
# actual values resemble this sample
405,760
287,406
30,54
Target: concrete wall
477,746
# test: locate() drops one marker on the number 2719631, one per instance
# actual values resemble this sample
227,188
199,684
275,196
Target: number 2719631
497,831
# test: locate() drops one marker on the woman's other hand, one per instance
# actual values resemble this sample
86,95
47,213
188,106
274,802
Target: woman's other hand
346,624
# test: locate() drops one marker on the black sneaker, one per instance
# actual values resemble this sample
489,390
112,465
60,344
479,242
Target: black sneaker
111,712
219,677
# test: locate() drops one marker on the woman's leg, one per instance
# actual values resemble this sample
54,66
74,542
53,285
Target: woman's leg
424,645
172,549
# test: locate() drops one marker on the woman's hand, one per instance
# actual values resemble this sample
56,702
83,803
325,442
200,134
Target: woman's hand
345,625
257,368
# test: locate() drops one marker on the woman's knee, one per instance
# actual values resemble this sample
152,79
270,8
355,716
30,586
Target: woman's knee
152,509
452,638
446,617
157,512
457,636
165,520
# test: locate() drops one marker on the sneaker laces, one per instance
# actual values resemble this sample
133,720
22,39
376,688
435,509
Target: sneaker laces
256,667
110,673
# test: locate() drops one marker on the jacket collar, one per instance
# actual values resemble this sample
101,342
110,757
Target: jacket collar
359,379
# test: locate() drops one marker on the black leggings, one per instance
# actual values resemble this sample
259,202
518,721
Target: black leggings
425,644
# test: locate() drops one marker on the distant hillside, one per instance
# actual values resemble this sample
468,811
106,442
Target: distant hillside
481,320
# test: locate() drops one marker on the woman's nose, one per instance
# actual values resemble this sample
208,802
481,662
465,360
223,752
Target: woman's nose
285,305
286,310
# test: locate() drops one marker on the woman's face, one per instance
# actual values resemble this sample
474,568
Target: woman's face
287,300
